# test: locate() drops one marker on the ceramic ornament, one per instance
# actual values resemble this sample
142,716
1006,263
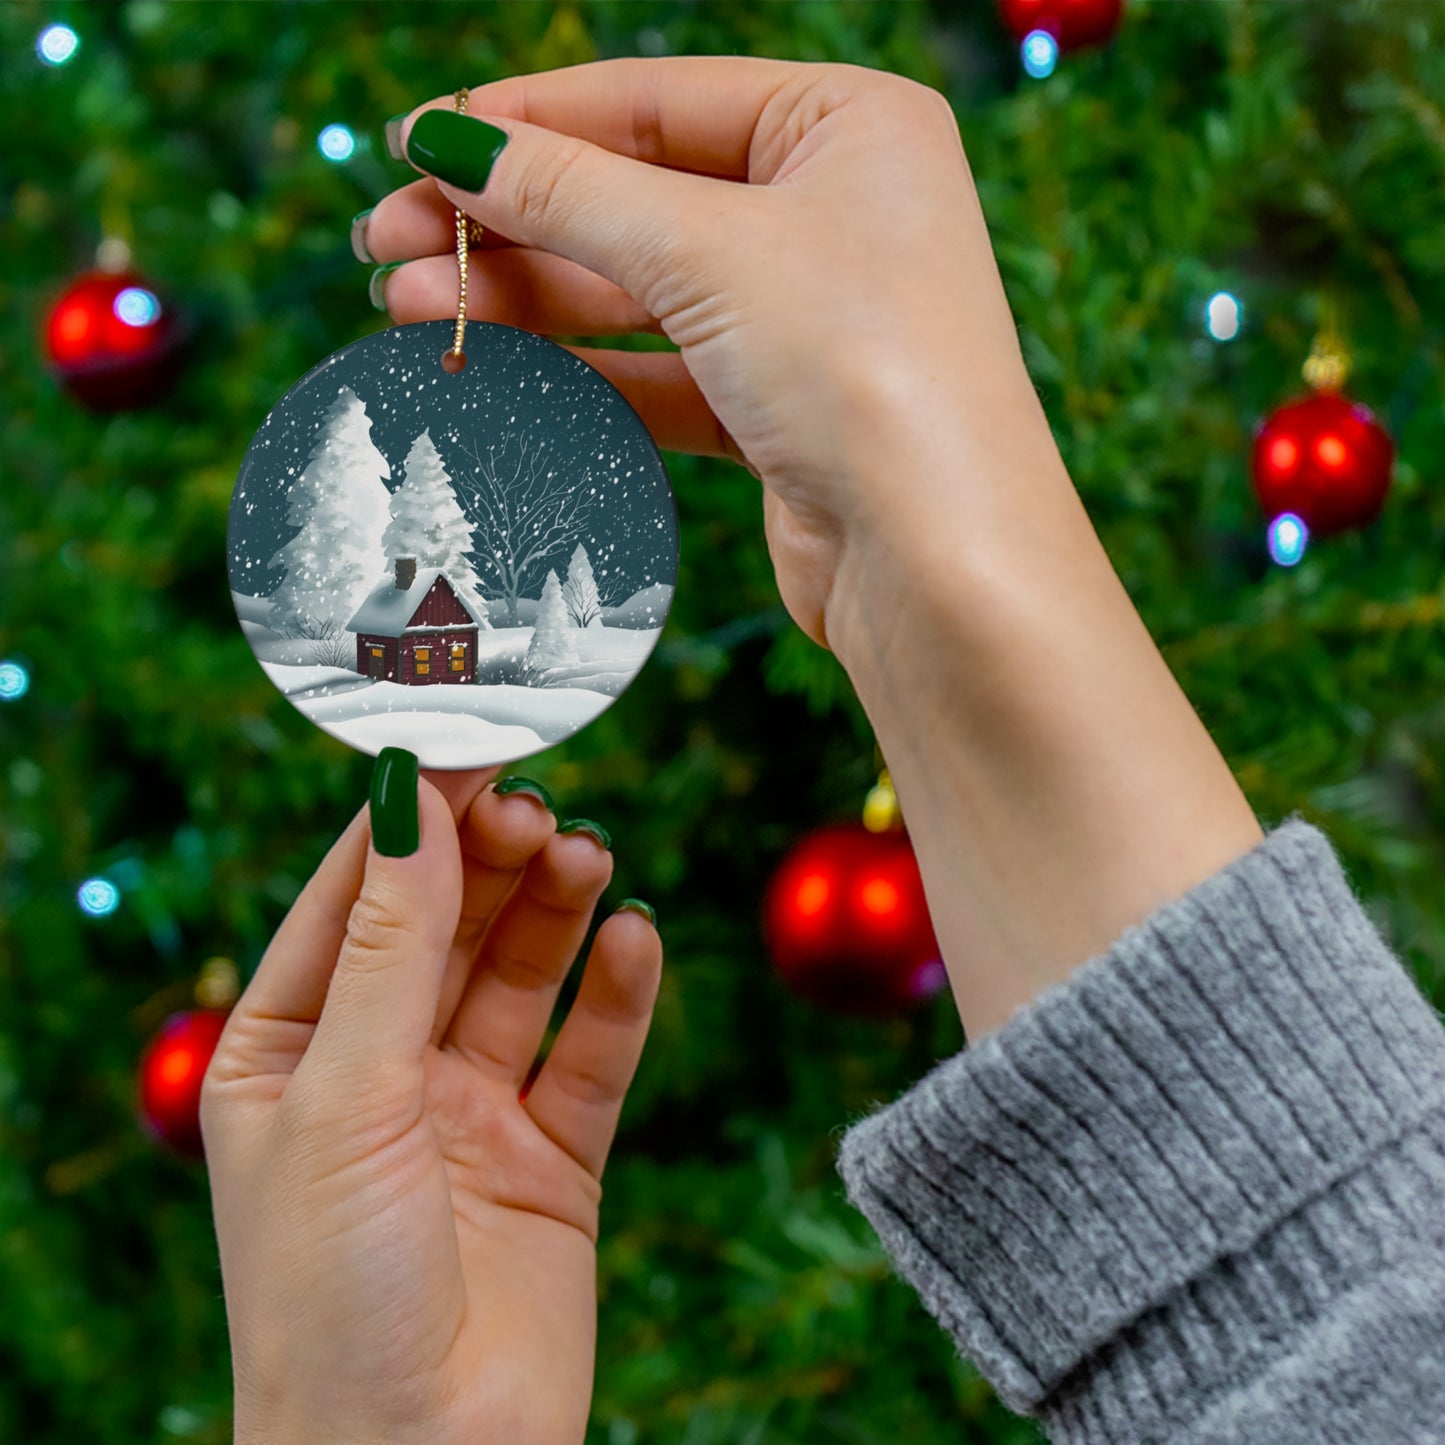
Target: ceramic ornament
470,564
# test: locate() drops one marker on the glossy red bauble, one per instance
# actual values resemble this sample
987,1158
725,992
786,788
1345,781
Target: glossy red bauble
112,341
847,923
1326,459
171,1072
1073,23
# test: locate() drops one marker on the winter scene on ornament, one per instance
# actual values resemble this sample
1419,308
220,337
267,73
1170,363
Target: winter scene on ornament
471,565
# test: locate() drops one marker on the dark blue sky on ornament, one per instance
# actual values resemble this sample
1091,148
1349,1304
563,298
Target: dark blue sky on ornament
515,386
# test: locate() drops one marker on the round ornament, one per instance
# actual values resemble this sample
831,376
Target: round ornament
112,341
1324,458
847,923
172,1070
1073,23
468,561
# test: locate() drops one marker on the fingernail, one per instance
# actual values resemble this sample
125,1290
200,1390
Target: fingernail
358,236
395,824
376,287
636,905
528,786
455,148
586,825
393,136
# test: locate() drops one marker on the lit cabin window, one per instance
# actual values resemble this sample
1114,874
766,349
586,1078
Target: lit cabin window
378,652
423,661
459,657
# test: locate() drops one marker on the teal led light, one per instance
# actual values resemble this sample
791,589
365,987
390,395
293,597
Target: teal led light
57,44
1223,316
1040,52
336,143
14,681
1288,537
98,897
137,307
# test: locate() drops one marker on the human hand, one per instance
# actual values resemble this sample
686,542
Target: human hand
841,321
407,1246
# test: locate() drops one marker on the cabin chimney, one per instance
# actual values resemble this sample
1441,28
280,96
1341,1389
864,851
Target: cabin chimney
405,573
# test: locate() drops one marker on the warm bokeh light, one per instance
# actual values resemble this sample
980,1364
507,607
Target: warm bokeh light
879,896
177,1066
812,894
1283,454
71,329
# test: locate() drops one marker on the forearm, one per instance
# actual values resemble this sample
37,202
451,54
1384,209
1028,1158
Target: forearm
1056,782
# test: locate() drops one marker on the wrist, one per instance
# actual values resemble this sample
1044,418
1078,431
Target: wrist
1057,784
947,513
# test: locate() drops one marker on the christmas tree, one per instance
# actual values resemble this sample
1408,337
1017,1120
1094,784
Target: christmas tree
1272,154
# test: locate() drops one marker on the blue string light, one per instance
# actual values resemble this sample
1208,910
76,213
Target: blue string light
336,143
1040,52
1223,316
98,897
137,307
57,44
14,681
1288,537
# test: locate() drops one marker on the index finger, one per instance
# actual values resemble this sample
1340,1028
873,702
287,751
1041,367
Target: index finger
695,113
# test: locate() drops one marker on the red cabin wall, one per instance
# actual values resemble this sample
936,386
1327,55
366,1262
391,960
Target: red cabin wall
440,644
440,608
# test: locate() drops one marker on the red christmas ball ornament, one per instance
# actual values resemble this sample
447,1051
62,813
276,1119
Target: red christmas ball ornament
112,341
847,923
1324,458
1073,23
171,1072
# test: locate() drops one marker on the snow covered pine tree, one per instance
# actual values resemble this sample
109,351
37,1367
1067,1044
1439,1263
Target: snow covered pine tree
341,504
427,521
552,643
579,591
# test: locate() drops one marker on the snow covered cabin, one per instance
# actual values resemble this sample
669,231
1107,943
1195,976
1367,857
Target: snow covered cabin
417,627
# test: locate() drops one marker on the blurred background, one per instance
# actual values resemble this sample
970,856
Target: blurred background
1187,206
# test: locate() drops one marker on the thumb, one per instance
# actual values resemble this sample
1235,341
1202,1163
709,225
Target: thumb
382,999
634,224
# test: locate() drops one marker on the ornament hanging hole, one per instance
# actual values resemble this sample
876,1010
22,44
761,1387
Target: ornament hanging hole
453,361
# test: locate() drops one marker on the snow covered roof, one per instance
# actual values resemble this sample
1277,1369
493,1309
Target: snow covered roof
388,608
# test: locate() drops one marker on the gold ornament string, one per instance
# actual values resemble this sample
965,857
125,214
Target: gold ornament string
469,232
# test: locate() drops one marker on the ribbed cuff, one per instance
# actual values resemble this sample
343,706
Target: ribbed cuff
1137,1183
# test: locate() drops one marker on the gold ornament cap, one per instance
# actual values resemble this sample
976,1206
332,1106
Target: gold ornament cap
219,985
881,813
1328,366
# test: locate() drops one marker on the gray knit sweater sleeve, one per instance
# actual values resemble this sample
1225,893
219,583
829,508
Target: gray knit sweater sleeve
1196,1192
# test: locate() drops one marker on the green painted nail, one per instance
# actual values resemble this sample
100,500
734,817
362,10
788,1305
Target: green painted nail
636,905
376,287
392,132
455,148
395,824
528,786
586,825
358,236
